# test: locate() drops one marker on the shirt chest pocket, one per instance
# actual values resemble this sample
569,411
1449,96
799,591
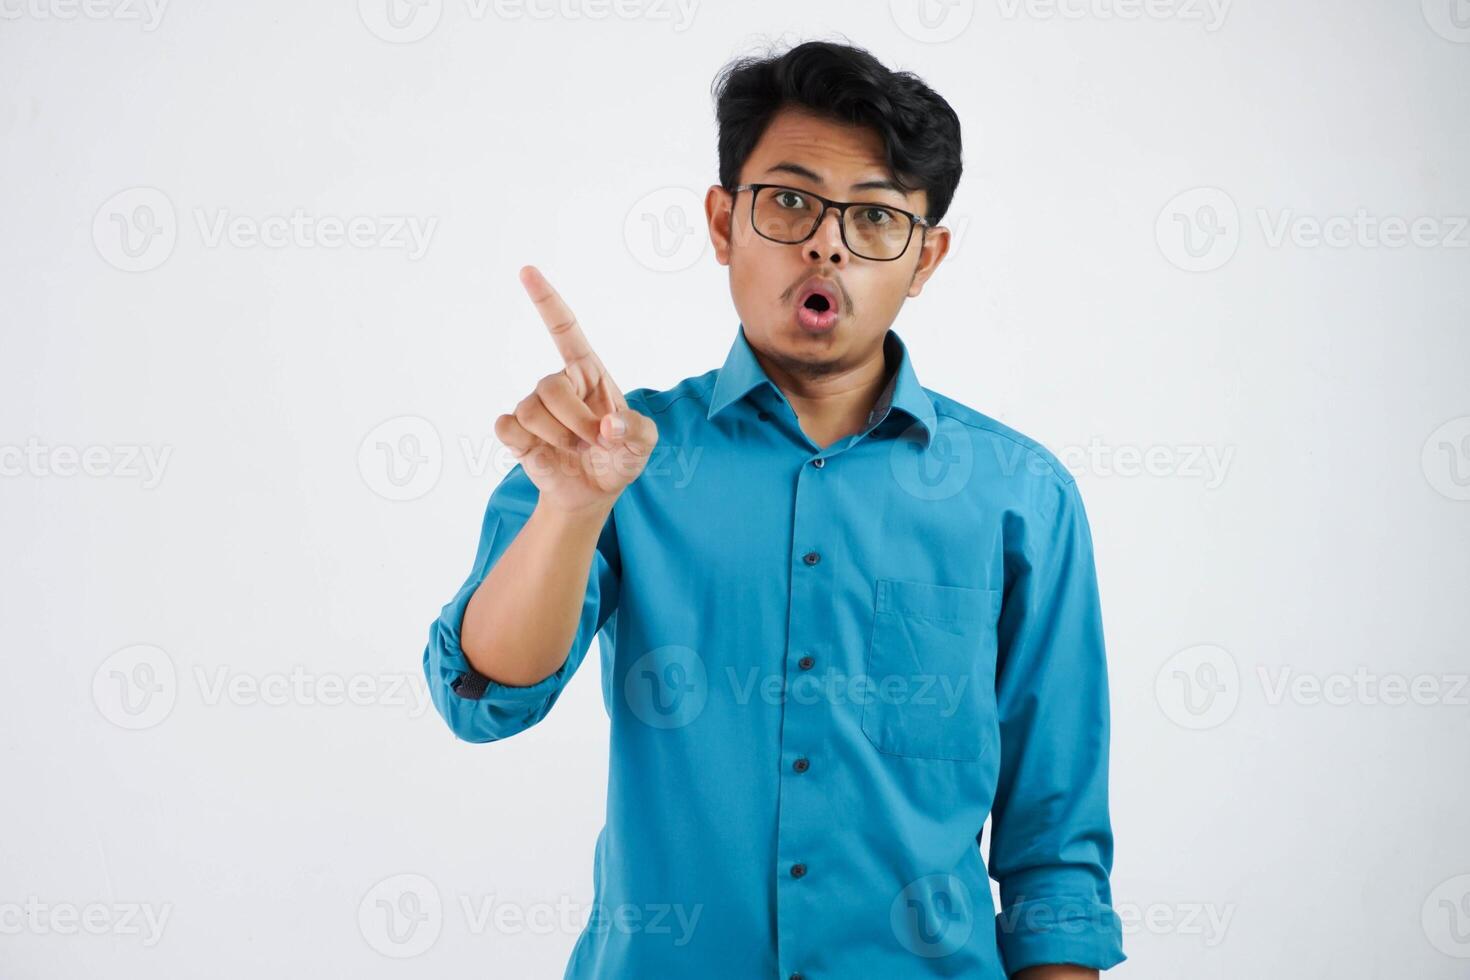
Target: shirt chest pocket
931,669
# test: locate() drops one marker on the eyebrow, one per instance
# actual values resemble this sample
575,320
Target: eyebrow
882,184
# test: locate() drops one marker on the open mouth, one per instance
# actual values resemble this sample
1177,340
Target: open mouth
817,312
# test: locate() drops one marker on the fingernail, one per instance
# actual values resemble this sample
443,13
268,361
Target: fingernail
618,426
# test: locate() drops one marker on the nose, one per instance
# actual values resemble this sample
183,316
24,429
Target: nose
826,245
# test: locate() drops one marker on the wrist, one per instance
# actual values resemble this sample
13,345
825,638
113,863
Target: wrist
588,515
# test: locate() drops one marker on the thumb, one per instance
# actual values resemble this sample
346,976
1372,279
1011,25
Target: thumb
627,429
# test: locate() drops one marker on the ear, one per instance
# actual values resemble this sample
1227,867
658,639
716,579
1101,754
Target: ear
935,245
719,210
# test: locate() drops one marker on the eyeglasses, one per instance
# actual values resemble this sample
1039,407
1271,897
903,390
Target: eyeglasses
791,216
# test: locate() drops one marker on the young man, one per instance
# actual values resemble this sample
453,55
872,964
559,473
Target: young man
843,617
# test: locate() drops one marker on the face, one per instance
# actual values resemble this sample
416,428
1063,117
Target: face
769,280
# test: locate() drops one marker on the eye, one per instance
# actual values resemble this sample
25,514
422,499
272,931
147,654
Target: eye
877,216
785,199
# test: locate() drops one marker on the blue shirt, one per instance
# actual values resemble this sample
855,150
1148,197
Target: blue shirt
823,669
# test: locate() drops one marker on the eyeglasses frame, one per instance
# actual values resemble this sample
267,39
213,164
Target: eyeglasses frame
841,208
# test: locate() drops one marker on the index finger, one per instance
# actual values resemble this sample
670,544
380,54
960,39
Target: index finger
565,331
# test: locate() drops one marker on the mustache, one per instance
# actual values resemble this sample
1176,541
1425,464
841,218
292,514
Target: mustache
836,282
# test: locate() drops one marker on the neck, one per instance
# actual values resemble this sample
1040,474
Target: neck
831,403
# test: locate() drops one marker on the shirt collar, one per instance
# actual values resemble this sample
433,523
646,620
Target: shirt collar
742,373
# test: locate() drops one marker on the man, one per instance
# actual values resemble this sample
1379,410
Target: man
844,620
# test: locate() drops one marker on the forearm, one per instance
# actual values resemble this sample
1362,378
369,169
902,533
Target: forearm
1060,971
520,623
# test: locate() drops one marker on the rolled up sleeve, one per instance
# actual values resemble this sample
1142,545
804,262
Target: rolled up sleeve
476,708
1051,849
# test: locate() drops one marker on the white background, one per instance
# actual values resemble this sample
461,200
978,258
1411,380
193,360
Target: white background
1261,831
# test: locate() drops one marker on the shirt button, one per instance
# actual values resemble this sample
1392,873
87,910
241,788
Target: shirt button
801,765
796,976
811,557
797,870
819,462
805,663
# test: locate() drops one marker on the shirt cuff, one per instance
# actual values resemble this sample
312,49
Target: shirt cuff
475,686
1059,929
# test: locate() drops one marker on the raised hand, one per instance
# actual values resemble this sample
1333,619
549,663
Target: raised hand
575,435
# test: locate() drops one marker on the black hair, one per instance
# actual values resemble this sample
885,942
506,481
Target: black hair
920,132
